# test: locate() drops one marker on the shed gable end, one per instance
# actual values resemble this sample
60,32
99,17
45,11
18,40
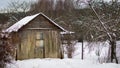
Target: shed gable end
40,22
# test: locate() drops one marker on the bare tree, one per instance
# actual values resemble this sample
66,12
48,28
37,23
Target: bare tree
17,10
108,19
18,6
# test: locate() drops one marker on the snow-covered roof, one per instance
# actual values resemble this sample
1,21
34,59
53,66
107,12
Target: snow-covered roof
26,20
67,32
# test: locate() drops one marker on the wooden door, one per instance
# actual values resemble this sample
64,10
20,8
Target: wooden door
39,44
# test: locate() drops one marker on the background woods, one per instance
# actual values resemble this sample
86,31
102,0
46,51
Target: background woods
73,16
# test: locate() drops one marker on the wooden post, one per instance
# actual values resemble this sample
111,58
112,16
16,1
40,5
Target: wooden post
82,50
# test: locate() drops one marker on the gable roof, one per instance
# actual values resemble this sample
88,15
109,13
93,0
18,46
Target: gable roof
15,27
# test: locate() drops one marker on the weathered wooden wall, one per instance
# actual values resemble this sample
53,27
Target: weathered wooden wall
25,40
27,49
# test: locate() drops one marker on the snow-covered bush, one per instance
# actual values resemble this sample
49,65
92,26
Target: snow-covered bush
6,51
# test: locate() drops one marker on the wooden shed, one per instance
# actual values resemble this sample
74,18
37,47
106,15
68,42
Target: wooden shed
36,36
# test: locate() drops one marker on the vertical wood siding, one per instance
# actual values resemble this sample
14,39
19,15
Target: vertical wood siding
27,48
25,40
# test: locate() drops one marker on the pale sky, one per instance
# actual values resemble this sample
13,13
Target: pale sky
5,3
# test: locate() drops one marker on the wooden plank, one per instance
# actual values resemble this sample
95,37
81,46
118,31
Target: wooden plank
27,48
46,44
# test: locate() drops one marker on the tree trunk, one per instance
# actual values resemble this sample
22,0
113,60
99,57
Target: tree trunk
113,51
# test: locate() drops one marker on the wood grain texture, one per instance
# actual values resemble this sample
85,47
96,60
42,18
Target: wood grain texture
25,40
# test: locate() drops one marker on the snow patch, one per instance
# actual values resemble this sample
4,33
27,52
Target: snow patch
58,63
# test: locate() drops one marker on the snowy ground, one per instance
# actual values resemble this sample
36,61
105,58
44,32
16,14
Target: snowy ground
58,63
91,59
95,51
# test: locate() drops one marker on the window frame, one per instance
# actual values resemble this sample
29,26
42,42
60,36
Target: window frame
39,40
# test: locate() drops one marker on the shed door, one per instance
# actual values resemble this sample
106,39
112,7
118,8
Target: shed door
39,45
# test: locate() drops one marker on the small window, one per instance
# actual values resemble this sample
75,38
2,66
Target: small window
39,40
